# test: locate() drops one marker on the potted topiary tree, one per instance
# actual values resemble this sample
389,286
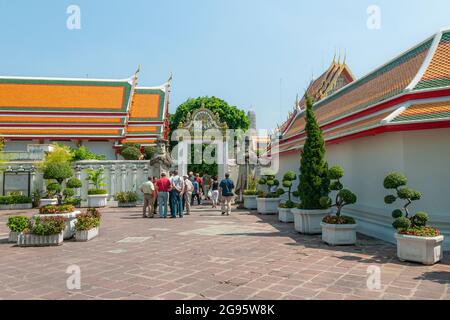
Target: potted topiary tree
267,202
285,209
416,241
314,182
59,172
338,229
251,193
69,192
97,196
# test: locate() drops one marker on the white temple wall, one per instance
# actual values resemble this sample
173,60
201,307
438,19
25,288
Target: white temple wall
423,156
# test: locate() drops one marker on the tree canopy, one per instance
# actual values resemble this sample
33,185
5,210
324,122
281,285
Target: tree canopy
231,115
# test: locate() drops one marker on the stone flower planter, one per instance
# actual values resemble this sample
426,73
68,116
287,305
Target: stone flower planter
16,206
126,204
13,236
285,215
32,240
309,221
86,235
69,221
250,202
425,250
267,206
46,202
339,234
97,200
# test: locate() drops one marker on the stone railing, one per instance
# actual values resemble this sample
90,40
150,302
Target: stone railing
120,175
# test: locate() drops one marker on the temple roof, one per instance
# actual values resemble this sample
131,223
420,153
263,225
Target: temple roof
386,98
81,108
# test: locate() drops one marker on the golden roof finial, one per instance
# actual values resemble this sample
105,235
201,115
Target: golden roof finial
339,59
170,77
345,57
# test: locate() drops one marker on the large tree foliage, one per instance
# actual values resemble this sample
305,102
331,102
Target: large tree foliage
314,181
234,117
231,115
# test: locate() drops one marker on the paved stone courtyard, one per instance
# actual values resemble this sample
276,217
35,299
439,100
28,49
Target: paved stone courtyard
209,256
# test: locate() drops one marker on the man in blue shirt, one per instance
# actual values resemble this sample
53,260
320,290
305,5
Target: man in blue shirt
226,187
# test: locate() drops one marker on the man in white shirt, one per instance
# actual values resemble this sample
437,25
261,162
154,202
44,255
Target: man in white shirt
186,194
177,187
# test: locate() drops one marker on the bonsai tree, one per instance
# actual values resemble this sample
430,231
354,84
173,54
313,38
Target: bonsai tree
343,198
404,222
268,179
69,191
314,182
95,178
131,151
58,171
287,182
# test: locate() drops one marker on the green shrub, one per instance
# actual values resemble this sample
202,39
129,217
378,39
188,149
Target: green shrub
18,199
420,219
47,226
68,192
394,180
287,205
126,197
401,223
83,153
314,180
74,183
131,153
18,223
149,152
52,209
95,178
338,220
54,188
397,213
73,201
251,192
93,192
86,221
58,171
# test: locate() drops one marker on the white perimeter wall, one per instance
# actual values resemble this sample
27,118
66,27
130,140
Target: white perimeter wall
424,156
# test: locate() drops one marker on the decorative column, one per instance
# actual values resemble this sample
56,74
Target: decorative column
78,170
123,169
113,180
134,168
33,179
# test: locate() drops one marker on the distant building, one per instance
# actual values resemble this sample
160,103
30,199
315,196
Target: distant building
101,114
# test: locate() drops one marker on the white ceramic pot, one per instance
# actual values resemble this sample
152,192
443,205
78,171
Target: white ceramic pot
46,202
97,201
267,205
69,220
250,202
425,250
309,221
339,234
32,240
126,204
13,236
86,235
285,215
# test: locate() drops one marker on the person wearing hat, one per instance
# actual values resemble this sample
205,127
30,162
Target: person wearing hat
186,194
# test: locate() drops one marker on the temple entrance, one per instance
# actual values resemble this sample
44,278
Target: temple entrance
202,144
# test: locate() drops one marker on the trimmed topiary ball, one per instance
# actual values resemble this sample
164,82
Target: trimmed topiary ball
287,183
131,153
397,213
280,191
408,193
74,183
420,219
262,181
401,223
390,199
58,171
348,196
54,187
336,172
290,176
395,180
68,192
325,202
336,186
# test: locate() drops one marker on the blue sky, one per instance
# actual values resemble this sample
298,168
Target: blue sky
242,51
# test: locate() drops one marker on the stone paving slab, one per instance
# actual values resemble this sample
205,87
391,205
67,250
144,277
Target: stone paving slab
210,256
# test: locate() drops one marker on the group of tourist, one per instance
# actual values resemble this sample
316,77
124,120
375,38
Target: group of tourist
179,194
